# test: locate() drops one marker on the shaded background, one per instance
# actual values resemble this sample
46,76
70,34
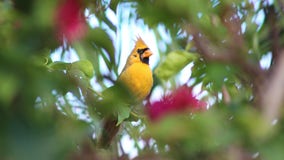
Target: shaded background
57,56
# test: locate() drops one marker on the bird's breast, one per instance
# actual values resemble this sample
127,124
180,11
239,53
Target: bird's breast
138,79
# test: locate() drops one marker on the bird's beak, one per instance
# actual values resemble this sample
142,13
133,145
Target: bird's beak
146,54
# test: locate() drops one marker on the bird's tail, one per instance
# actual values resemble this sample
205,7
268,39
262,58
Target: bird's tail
109,130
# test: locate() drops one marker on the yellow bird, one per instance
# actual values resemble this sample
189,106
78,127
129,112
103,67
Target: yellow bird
138,80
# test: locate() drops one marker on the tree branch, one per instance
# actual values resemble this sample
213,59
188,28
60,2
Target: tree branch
273,91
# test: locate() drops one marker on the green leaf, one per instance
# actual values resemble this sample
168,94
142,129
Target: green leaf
58,65
174,62
85,66
196,134
102,39
217,73
8,87
113,4
122,114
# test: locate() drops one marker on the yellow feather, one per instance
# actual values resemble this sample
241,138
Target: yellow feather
136,75
140,43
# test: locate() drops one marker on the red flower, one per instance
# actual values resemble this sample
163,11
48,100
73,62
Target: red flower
69,20
179,101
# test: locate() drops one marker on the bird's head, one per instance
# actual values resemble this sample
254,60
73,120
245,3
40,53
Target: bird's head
140,53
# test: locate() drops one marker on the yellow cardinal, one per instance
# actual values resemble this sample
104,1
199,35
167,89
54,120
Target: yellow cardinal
137,78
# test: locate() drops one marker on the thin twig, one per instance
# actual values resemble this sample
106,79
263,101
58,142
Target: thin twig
226,95
121,148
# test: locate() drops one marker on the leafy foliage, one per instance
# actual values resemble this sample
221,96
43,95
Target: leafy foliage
53,109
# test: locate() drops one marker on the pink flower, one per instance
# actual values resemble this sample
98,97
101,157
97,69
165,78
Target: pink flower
179,101
70,21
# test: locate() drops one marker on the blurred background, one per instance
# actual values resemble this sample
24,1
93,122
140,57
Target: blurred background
218,83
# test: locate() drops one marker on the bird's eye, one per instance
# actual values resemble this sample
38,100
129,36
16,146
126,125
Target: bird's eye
135,55
140,51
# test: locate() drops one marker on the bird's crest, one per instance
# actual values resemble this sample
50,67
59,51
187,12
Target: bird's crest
140,43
